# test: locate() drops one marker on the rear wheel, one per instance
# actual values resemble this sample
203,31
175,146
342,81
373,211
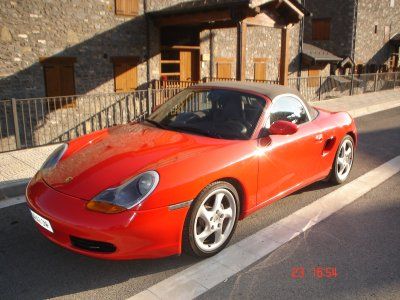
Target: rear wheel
343,161
211,220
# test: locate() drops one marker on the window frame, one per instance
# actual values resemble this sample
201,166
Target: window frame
267,123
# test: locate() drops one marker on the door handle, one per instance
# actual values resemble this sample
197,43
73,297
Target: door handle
319,137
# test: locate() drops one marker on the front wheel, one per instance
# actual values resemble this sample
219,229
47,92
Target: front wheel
211,220
343,161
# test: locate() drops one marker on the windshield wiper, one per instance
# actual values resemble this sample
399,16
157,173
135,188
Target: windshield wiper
155,123
189,129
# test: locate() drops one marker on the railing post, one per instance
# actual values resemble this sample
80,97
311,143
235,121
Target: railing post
352,85
394,81
320,87
16,125
149,101
376,81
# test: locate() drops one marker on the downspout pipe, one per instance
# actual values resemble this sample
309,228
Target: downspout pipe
147,41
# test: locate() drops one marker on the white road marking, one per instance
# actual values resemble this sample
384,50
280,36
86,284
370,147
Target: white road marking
12,201
199,278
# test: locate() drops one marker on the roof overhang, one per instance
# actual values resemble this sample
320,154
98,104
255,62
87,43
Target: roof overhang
395,40
227,13
313,55
347,62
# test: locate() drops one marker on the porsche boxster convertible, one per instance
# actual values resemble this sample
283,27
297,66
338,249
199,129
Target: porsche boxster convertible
181,179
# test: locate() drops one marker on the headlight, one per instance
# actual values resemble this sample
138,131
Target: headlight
127,195
54,157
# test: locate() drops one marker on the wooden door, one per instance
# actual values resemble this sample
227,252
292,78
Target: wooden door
313,72
189,65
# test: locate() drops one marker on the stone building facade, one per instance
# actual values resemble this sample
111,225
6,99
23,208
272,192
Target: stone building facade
94,37
360,30
377,22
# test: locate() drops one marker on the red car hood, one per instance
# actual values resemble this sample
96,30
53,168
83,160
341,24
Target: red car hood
107,158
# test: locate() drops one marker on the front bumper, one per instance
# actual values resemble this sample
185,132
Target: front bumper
134,234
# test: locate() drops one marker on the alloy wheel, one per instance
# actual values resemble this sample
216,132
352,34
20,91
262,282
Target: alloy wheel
215,220
344,160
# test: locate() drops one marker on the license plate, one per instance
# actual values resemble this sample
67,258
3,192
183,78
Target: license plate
42,221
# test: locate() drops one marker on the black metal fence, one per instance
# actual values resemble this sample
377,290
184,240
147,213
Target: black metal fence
328,87
26,123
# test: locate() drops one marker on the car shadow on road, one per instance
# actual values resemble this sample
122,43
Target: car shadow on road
33,267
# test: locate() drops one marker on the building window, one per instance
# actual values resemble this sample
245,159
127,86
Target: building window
127,7
321,29
59,75
125,73
260,69
391,3
224,67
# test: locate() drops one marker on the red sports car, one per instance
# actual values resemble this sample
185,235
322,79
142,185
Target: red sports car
181,180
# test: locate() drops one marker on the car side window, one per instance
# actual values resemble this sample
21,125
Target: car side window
290,109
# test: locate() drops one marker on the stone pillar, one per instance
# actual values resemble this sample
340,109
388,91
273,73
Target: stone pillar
242,38
285,54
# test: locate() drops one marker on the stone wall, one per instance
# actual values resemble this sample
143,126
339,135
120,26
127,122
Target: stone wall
294,50
263,42
91,32
371,47
88,30
341,13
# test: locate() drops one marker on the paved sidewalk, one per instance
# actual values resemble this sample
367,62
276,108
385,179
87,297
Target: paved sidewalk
17,167
364,104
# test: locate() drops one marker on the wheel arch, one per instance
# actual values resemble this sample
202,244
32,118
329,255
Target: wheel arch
239,188
353,136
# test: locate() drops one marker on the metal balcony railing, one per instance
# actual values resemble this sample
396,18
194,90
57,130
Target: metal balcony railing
26,123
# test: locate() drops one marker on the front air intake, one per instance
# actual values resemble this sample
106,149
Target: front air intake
94,246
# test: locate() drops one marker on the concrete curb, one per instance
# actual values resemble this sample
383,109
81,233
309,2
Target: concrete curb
360,112
14,189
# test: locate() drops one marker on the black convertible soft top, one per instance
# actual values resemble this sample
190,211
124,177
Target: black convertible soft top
269,90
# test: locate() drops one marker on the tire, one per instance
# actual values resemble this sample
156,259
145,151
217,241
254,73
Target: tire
205,216
342,160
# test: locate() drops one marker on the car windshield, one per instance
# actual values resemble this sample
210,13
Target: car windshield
215,113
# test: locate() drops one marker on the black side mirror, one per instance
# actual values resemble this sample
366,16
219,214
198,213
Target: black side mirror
264,139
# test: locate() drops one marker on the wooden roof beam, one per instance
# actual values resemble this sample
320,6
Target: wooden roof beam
195,18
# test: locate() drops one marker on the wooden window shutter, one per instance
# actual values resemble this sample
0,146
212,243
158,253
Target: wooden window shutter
59,76
224,67
260,69
127,7
52,81
131,72
224,70
120,77
67,80
125,73
321,29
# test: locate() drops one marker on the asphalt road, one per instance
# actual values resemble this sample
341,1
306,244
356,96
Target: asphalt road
32,267
361,242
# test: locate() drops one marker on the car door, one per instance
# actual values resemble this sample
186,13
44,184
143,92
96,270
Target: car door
289,161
